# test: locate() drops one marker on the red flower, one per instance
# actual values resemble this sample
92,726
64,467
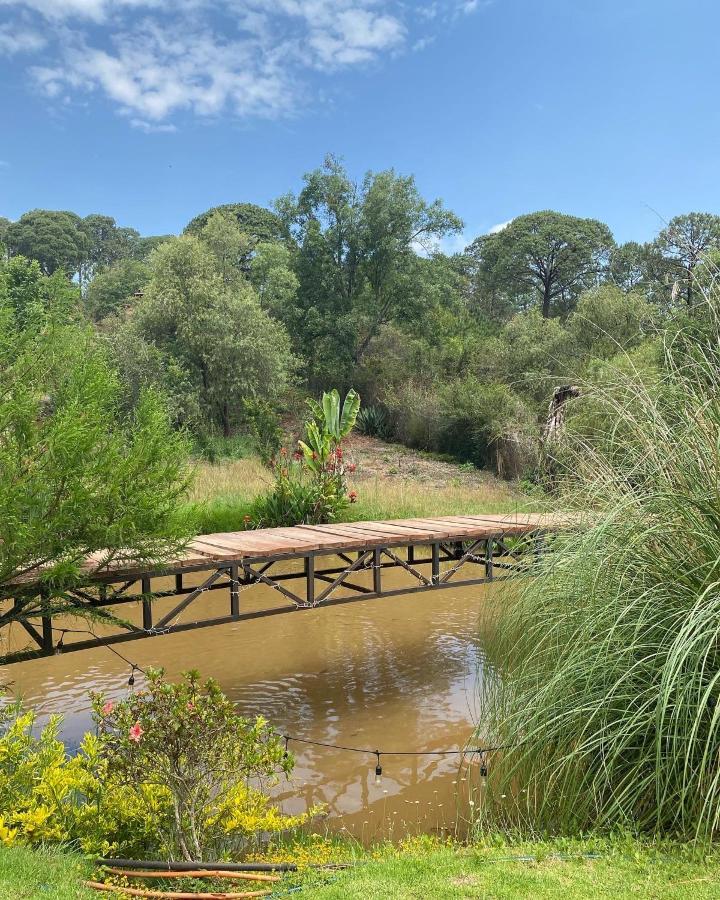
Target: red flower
351,468
297,455
339,452
283,451
136,732
314,456
352,496
108,708
191,707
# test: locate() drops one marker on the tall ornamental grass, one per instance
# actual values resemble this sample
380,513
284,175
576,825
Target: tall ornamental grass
608,682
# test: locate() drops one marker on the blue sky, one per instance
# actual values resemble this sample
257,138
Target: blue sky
154,110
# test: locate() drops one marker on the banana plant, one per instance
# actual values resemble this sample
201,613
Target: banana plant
331,423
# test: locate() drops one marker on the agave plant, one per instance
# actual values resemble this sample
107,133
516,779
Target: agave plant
372,421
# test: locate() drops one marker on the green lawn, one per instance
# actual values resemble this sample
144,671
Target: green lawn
48,874
572,870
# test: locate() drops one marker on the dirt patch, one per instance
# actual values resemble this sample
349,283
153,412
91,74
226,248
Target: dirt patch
376,459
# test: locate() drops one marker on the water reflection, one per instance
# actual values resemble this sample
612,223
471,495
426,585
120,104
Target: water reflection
397,674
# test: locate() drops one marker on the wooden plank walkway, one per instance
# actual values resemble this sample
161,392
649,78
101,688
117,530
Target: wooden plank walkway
335,556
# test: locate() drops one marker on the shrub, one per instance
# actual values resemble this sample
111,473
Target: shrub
373,422
125,796
310,487
609,670
186,743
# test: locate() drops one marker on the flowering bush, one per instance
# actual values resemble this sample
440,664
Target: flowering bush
311,484
187,742
119,794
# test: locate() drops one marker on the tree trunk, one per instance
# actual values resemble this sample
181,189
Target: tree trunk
546,301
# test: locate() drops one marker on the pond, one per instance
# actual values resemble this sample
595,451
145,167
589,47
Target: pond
397,674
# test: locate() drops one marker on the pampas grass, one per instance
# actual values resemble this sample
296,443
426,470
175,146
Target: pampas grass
608,685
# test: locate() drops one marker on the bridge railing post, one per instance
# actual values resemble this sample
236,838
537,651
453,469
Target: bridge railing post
377,570
435,565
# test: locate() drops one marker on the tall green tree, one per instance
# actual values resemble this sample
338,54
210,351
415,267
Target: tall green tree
231,349
684,243
58,240
259,225
79,476
356,243
108,244
546,258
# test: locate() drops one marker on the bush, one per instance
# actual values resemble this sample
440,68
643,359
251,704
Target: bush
310,486
184,753
373,422
168,774
608,691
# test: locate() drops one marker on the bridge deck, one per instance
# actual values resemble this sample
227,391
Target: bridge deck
306,566
298,540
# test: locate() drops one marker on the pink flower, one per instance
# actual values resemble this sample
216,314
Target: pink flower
136,732
339,453
191,707
297,456
352,496
108,708
351,468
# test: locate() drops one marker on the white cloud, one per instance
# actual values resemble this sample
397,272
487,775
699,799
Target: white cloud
94,10
157,58
19,40
501,226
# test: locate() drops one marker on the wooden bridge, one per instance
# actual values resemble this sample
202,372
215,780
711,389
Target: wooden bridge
307,566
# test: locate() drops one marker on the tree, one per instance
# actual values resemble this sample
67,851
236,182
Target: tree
546,256
57,240
683,244
113,288
607,320
30,294
231,246
356,243
258,223
108,244
80,477
230,347
4,225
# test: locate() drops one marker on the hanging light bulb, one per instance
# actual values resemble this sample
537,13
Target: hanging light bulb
59,647
131,679
378,770
483,766
286,752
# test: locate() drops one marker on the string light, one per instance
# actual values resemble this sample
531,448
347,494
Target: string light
482,752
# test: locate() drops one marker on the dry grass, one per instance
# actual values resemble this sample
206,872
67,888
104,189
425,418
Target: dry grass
391,482
241,479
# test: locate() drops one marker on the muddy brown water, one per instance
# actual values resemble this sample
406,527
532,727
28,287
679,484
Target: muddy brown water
400,673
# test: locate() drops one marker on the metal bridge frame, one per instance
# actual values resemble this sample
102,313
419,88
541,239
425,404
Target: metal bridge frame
490,554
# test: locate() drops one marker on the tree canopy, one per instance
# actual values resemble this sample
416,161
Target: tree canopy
56,240
546,258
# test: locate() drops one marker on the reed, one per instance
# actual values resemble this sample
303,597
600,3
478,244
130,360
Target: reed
608,687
